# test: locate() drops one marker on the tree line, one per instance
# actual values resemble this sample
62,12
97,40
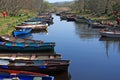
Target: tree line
98,7
12,7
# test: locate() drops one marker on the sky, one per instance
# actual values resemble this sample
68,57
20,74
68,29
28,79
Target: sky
52,1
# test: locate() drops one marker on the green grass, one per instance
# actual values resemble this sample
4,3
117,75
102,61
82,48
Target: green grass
8,24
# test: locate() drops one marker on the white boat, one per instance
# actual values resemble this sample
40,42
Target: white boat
34,26
39,22
110,33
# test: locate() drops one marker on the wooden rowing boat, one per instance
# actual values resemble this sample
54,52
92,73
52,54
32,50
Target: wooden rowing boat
29,56
26,47
110,33
34,26
22,75
18,40
22,31
95,25
80,19
40,66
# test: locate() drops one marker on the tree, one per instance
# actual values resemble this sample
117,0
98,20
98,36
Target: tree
98,7
12,7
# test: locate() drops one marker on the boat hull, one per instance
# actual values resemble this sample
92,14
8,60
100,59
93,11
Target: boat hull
21,32
39,69
98,26
110,34
30,56
33,27
23,77
26,47
40,66
8,38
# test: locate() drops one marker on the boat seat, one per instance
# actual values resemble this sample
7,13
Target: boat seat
52,57
13,57
26,44
33,57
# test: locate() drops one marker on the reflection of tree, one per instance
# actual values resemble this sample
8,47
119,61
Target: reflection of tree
40,31
107,48
86,32
110,42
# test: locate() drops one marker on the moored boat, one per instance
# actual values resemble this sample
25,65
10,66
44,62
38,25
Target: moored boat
40,66
26,47
30,56
32,22
18,40
81,19
33,26
22,31
110,33
98,25
22,75
26,36
63,17
71,17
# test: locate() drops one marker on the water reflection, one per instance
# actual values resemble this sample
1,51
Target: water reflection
109,39
40,32
62,76
86,32
109,42
90,54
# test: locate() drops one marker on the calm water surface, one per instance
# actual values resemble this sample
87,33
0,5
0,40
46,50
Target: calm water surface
92,57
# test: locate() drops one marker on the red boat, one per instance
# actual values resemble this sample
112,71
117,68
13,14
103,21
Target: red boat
22,75
16,72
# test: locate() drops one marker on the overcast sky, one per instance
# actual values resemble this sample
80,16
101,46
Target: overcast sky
52,1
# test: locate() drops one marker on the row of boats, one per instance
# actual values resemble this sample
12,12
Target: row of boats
26,59
39,23
107,29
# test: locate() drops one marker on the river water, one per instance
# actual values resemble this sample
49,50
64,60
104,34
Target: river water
92,57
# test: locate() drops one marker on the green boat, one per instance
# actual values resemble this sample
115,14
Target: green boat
26,47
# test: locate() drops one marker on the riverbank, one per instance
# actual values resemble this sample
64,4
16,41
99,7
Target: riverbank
7,24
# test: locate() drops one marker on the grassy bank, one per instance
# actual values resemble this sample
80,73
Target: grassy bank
8,24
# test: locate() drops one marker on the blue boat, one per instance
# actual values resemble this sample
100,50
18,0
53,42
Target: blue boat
22,31
26,47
